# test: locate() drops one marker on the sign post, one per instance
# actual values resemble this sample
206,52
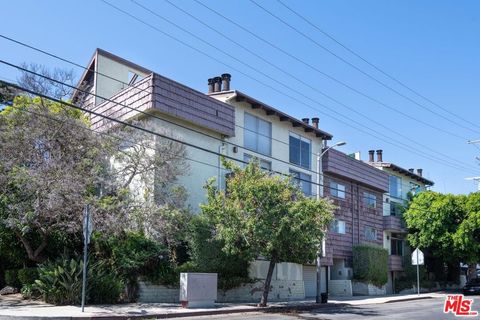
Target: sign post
417,260
87,232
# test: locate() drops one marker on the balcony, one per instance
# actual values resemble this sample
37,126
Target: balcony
395,263
394,224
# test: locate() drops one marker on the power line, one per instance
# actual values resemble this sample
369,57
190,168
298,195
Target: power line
285,72
376,135
373,65
421,153
328,75
134,126
383,84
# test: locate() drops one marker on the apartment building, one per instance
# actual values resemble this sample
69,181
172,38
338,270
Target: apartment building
401,183
229,122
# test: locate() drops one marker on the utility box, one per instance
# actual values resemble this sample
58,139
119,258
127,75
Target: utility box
198,290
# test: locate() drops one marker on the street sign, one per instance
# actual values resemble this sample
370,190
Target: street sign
418,258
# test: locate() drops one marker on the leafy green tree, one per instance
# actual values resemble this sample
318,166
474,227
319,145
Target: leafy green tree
448,225
264,215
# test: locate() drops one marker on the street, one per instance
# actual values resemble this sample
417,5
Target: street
417,309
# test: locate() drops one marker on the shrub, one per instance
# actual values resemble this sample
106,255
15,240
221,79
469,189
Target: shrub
60,282
370,264
207,256
133,256
11,278
29,291
27,276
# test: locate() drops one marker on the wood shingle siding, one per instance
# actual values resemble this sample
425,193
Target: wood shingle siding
169,97
337,163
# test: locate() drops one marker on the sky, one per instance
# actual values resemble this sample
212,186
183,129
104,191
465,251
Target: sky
433,47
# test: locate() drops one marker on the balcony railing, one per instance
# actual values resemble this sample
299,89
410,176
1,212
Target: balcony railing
394,223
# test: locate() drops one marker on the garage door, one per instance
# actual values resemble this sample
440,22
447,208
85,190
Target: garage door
310,281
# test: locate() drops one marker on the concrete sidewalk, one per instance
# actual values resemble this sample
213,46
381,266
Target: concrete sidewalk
12,307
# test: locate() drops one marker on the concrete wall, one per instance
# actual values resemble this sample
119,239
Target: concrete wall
367,289
340,288
281,290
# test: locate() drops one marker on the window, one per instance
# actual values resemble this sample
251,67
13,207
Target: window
337,190
369,200
303,180
370,234
257,134
264,164
396,209
300,150
395,186
338,226
396,247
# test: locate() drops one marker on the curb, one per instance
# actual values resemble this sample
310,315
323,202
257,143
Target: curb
409,299
271,309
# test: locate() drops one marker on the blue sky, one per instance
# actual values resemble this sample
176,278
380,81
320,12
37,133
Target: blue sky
432,46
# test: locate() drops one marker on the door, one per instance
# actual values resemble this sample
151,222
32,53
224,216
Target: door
310,281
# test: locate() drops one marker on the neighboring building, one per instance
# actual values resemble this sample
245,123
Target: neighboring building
357,189
401,183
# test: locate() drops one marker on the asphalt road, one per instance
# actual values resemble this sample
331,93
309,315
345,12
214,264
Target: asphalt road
416,309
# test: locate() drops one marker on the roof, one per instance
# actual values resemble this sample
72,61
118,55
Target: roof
403,171
256,104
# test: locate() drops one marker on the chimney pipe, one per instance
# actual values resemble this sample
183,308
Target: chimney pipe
217,87
371,154
305,120
315,122
226,77
411,170
211,83
379,156
419,172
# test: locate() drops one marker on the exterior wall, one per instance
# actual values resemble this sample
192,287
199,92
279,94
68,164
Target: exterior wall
340,288
364,289
356,216
280,142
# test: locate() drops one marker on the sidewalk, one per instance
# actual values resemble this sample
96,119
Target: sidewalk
12,307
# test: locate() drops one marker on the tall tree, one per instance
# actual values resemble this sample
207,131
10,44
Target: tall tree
263,215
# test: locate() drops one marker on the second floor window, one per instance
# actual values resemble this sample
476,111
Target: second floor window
257,134
395,187
370,233
264,164
300,150
369,200
303,180
337,190
338,226
396,209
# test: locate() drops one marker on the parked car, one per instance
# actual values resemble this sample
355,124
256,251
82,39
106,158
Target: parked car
472,287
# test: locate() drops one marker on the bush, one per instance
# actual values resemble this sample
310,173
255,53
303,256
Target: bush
11,278
27,276
29,291
207,256
60,282
134,256
370,264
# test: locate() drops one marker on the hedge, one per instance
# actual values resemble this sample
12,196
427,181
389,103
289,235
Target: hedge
370,264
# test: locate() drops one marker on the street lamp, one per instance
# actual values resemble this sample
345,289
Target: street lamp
321,250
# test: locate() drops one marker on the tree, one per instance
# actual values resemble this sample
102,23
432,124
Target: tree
263,215
446,224
47,169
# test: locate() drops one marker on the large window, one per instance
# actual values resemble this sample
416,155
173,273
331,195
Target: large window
303,180
395,185
300,150
396,209
337,190
257,134
338,226
370,233
369,200
264,164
